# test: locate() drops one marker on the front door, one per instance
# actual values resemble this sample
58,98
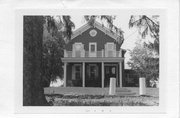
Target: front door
93,78
110,71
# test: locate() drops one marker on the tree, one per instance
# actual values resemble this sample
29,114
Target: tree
33,94
147,26
144,62
57,32
33,70
53,51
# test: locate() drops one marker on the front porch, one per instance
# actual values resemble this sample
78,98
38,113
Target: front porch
94,73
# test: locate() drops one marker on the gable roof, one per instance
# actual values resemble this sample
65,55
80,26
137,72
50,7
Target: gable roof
96,25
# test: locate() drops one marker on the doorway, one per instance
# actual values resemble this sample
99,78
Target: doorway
110,71
93,75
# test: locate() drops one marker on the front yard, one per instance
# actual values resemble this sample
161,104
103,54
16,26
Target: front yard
79,99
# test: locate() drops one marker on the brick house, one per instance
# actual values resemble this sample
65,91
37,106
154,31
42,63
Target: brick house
92,56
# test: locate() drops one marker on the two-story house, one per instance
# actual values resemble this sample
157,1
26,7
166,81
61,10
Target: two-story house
92,56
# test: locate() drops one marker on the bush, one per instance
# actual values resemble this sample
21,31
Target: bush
100,100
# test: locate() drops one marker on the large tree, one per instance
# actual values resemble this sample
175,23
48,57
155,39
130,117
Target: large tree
57,32
53,51
33,72
144,62
147,26
32,61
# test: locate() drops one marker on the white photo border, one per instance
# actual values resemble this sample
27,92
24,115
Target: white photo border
19,108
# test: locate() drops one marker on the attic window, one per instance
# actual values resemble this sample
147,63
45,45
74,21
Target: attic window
93,33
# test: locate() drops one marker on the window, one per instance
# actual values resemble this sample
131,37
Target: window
92,47
111,46
77,49
77,72
113,70
93,71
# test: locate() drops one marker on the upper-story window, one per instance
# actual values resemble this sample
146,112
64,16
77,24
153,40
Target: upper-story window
92,49
110,49
78,49
78,46
110,46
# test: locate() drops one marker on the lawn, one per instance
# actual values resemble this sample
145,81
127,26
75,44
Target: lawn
81,97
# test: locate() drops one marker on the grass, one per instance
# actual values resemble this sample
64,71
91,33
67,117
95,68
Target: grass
151,99
149,91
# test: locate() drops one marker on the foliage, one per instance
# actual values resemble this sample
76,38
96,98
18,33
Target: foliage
52,54
32,67
41,58
62,24
101,100
147,26
109,20
56,33
144,61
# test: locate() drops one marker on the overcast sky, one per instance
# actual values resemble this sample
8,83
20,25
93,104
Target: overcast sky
121,21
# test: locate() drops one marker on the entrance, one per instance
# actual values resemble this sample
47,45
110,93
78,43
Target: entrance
110,71
93,75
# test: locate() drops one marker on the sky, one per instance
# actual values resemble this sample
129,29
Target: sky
130,35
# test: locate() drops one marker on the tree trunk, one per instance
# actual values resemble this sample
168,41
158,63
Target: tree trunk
33,93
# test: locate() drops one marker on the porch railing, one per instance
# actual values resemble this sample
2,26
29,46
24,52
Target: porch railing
97,54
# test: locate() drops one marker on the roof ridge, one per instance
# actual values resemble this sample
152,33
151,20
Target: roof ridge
99,26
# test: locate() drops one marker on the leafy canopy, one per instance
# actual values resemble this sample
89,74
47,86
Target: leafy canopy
144,61
147,26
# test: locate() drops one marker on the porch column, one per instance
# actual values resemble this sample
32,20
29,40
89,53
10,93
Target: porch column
120,74
83,72
65,72
102,72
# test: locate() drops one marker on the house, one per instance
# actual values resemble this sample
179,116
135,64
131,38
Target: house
92,57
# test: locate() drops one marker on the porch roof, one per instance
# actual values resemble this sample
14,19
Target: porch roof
93,59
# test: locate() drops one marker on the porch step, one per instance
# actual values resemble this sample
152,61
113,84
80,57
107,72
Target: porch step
86,90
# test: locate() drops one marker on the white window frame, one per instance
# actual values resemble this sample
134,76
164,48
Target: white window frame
81,50
92,54
74,71
77,44
110,43
109,49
